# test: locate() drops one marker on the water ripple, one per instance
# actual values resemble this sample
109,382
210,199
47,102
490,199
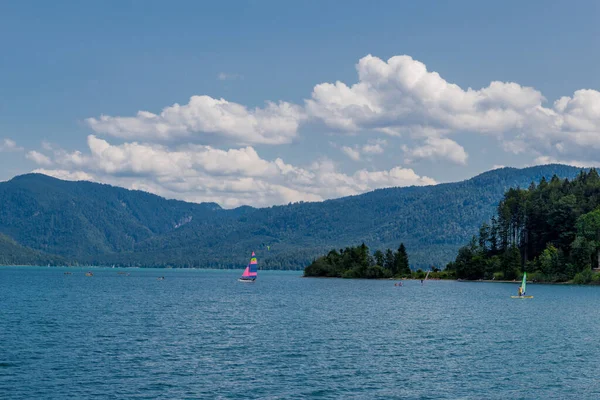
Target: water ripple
200,334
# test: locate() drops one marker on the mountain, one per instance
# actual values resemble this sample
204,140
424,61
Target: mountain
101,224
12,253
83,219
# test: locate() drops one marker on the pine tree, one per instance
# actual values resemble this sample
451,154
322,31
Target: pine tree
484,236
552,228
379,258
588,226
402,265
494,236
390,262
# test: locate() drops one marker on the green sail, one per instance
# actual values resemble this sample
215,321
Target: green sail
524,283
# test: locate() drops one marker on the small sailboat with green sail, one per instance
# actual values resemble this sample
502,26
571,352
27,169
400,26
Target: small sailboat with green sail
522,289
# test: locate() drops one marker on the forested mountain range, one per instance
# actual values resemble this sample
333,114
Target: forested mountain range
90,223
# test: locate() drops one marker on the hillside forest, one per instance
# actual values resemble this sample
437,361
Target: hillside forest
550,230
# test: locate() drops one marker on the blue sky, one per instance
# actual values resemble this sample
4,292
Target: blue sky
66,64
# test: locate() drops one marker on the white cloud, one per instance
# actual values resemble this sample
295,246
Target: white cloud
47,145
543,160
224,76
515,146
355,152
498,166
276,123
38,158
229,177
9,145
65,175
400,96
374,147
437,149
352,153
397,97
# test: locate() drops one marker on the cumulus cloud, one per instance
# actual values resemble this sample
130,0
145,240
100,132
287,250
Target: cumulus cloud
515,146
437,149
276,123
396,97
229,177
352,153
38,158
371,148
9,145
374,147
401,96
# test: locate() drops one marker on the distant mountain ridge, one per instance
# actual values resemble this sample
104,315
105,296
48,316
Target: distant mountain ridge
95,223
12,253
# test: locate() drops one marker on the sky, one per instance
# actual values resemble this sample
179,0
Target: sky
268,102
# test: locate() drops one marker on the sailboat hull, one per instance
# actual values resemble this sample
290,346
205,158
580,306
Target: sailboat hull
246,280
521,297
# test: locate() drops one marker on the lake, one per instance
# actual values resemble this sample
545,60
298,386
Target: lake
202,334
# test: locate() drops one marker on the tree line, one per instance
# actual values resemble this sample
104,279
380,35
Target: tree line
358,262
550,230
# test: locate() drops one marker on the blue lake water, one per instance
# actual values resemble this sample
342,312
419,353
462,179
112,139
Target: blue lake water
202,334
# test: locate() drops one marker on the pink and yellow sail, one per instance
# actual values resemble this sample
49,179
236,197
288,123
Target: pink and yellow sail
251,270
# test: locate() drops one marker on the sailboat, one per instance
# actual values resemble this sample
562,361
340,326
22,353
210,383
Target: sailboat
522,289
251,270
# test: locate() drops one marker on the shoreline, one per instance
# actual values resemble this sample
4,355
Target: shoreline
531,282
458,280
314,277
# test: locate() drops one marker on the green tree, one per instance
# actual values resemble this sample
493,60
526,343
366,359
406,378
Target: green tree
492,264
390,262
484,236
379,258
583,253
553,227
469,262
351,262
511,262
588,226
550,262
401,261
